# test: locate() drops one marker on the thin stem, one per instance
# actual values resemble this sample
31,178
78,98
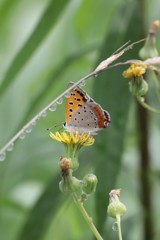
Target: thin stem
145,105
118,218
145,168
156,78
87,218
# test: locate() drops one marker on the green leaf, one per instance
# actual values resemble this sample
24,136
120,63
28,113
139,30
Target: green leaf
47,21
40,216
5,8
112,92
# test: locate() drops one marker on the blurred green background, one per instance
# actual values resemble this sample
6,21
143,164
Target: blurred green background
43,46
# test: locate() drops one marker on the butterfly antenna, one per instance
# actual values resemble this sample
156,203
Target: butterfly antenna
54,126
60,129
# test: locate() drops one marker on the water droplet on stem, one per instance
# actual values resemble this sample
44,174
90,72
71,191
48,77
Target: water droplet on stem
67,95
29,129
115,226
53,108
2,156
44,114
22,136
10,147
60,101
34,123
83,83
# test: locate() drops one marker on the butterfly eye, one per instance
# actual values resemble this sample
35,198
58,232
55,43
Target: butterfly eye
106,123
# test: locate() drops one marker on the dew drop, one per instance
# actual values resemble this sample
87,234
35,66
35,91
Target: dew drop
60,101
22,136
29,129
53,108
67,95
96,75
2,156
115,227
10,147
44,114
83,83
34,123
39,116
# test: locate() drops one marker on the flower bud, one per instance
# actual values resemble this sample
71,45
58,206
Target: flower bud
63,186
149,49
64,164
70,184
89,184
144,88
115,207
74,162
138,87
76,185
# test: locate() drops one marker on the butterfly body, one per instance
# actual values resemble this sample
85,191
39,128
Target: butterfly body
83,114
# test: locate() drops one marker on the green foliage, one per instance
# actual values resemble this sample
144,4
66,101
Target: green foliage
43,46
109,146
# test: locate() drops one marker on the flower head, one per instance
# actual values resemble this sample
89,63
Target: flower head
136,69
73,141
73,138
137,86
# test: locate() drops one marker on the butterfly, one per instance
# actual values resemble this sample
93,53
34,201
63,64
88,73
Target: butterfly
83,114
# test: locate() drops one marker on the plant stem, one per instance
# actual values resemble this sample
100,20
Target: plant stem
119,226
87,218
145,168
146,106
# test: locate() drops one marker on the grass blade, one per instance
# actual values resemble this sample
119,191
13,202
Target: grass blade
39,218
112,91
45,24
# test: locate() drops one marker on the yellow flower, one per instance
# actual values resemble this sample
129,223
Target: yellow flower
73,138
136,69
73,141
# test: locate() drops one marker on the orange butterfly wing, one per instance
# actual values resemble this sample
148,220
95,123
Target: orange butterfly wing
73,103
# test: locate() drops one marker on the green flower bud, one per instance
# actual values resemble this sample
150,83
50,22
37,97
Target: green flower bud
70,184
74,163
138,86
89,184
76,185
64,187
144,88
149,49
116,208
